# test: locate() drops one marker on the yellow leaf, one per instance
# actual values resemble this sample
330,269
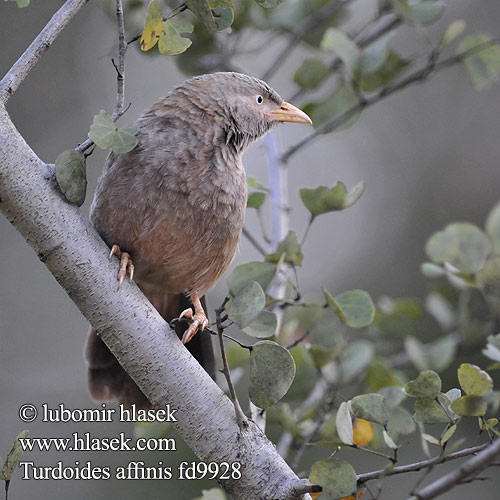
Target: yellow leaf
362,432
153,26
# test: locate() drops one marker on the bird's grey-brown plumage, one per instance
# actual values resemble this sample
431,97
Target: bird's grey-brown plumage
176,203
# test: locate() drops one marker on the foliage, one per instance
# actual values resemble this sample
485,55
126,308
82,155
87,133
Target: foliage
385,367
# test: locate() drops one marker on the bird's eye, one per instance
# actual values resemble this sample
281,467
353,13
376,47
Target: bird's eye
259,99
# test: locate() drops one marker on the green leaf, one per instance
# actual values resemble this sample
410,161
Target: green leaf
337,41
372,407
343,421
255,200
341,101
153,26
103,130
400,421
171,42
470,406
448,434
461,244
272,370
434,356
246,305
222,12
355,308
201,10
379,375
473,380
12,460
263,326
493,227
355,358
431,270
336,478
425,12
454,30
394,395
290,249
429,411
375,55
71,175
125,139
427,384
323,199
21,3
261,272
483,65
393,67
311,73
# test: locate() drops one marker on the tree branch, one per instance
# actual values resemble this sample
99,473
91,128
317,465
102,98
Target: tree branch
14,77
418,76
466,471
417,466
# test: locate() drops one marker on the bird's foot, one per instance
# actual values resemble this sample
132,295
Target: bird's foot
199,322
126,264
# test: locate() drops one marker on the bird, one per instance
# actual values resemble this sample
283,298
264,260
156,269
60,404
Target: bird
172,209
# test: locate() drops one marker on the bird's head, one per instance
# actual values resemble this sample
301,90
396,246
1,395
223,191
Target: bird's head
245,107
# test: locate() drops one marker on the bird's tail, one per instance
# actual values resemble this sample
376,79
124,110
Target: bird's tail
108,380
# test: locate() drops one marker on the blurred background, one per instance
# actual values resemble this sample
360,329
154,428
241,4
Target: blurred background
428,155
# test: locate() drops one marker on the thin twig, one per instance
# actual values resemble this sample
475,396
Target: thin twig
18,72
466,471
120,68
418,76
314,20
250,237
240,416
120,75
417,466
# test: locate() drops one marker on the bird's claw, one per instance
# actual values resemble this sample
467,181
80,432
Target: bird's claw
199,322
126,264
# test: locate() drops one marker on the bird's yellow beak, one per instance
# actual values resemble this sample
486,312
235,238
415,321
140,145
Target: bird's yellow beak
288,113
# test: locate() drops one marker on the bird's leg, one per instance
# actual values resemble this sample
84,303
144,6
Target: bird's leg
199,318
126,265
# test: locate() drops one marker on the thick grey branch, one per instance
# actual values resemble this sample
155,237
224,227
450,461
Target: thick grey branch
466,471
11,81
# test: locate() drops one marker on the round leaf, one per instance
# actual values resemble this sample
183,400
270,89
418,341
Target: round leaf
473,380
272,370
171,42
201,10
323,199
372,407
454,30
336,477
337,41
354,308
246,305
71,175
103,130
461,244
311,73
261,272
429,411
470,406
125,139
263,326
427,384
255,200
